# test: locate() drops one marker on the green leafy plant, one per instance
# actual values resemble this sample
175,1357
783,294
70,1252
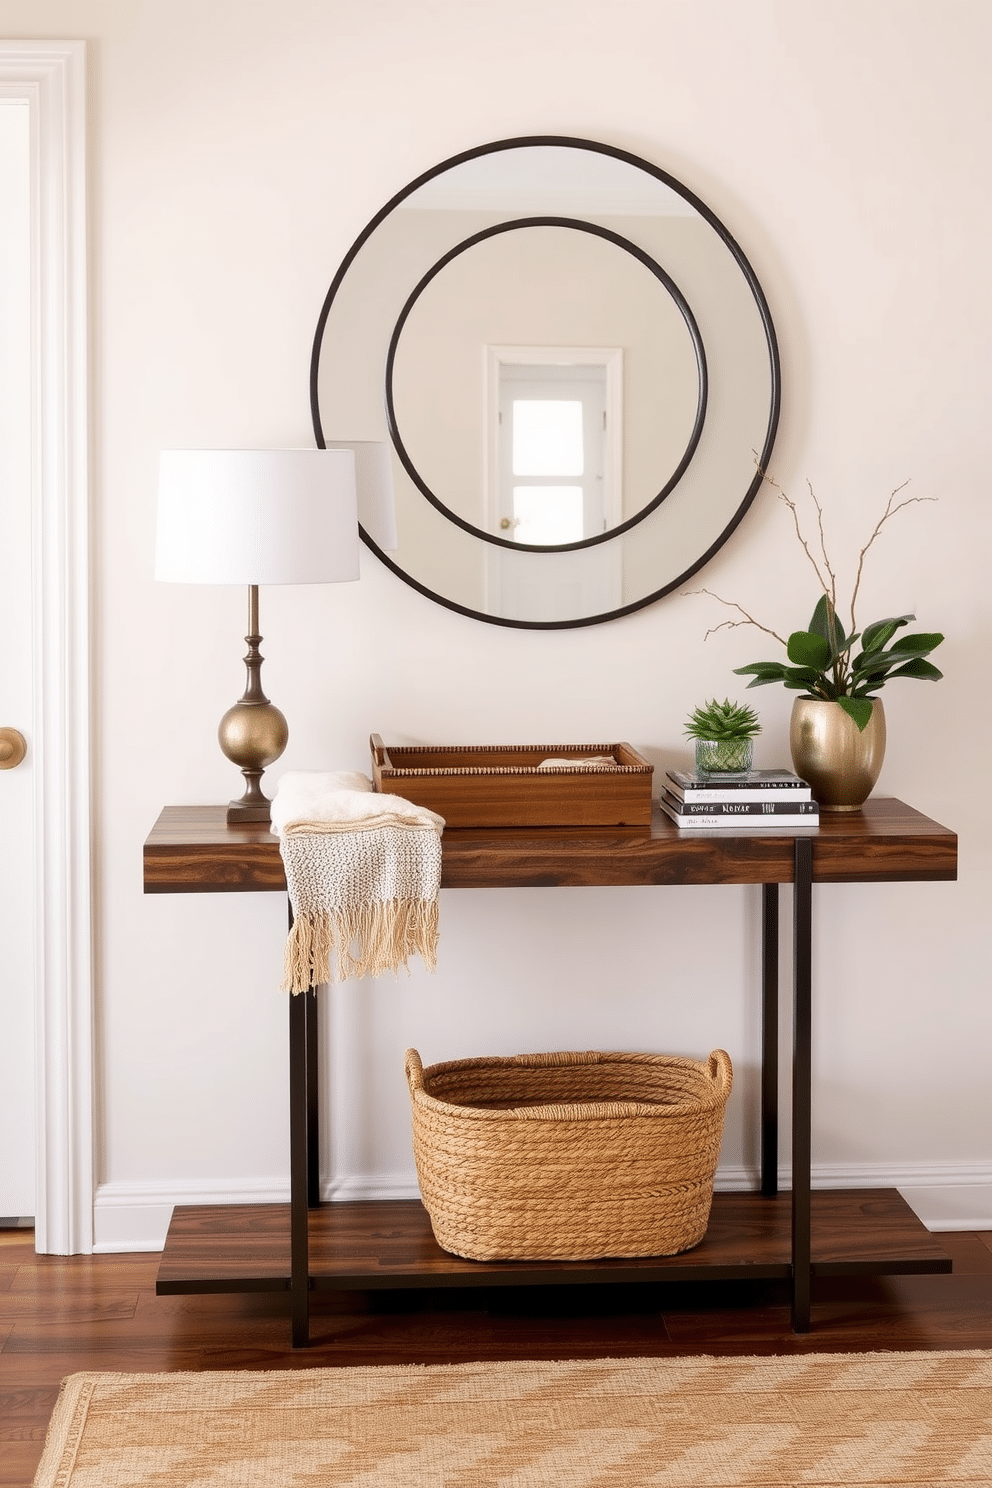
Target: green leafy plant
722,721
823,665
822,660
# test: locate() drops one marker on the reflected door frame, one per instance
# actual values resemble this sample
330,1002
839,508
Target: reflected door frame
50,77
610,358
506,571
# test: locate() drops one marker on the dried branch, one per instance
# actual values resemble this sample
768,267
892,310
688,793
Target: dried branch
828,585
823,543
825,575
733,624
889,511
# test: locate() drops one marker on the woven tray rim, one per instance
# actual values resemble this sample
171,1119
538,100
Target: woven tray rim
717,1068
399,771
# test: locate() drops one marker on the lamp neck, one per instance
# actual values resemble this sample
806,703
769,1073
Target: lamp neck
253,661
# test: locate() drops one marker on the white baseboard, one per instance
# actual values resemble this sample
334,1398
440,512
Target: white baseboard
951,1206
130,1217
371,1186
127,1228
135,1216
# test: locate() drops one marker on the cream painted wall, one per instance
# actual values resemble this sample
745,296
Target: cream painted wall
237,150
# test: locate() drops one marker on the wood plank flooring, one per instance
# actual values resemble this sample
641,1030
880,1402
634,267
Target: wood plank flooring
63,1314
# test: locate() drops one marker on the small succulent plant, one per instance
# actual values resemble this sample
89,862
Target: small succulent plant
722,721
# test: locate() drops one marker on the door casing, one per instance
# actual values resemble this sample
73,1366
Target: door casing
50,76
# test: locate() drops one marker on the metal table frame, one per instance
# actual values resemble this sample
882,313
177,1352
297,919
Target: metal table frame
304,1076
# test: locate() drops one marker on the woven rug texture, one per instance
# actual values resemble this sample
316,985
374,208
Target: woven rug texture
866,1419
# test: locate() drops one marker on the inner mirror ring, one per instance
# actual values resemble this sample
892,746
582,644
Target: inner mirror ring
685,311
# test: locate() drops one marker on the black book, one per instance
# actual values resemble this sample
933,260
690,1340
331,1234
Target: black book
753,786
794,807
748,814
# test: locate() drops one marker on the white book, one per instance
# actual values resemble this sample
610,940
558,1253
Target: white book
738,821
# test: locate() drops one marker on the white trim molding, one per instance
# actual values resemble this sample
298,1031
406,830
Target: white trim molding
944,1196
135,1216
50,77
951,1206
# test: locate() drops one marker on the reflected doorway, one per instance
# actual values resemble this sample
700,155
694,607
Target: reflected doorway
554,473
554,443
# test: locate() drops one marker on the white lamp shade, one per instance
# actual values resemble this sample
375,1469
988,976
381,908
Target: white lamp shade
257,517
376,502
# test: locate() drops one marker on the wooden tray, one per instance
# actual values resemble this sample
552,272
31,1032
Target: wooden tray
500,785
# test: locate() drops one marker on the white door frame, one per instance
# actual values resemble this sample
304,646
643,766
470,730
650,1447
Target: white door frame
50,76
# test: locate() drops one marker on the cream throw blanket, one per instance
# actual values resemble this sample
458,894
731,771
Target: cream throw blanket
363,871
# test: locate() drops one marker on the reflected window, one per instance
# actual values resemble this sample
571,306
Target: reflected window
547,436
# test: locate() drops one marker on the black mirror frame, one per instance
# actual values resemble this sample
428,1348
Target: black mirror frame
761,456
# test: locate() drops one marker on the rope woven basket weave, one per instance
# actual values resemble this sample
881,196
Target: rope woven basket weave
568,1156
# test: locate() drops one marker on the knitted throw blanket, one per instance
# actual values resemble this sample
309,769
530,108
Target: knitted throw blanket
363,871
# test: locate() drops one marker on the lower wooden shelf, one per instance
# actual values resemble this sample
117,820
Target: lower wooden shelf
389,1244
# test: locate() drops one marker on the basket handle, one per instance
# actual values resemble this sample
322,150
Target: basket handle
414,1071
721,1071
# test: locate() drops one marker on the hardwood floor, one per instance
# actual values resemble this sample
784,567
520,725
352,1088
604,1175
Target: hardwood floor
59,1315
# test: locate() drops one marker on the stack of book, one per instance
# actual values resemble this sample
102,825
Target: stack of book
752,801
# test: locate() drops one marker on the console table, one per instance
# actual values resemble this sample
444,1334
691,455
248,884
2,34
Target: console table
305,1246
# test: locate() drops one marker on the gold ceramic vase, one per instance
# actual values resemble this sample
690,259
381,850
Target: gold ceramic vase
840,761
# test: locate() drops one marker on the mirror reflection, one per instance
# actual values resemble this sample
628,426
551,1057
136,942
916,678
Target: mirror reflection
552,292
574,430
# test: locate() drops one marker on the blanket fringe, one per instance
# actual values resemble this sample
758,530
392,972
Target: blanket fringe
366,940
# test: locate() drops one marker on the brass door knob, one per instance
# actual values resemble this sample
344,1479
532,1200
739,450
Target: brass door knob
13,748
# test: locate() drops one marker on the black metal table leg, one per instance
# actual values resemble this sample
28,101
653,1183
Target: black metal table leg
299,1131
313,1109
802,919
769,1038
299,1265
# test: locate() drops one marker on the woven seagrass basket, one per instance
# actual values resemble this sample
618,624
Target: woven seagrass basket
568,1156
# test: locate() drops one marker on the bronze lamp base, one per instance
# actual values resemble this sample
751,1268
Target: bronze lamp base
253,734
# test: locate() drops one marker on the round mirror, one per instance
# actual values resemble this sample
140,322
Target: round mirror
575,368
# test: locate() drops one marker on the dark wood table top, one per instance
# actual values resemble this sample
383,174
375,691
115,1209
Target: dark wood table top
192,850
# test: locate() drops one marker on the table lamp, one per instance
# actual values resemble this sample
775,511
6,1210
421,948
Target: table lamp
256,517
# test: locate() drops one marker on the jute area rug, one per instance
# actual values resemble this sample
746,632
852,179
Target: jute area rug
885,1418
